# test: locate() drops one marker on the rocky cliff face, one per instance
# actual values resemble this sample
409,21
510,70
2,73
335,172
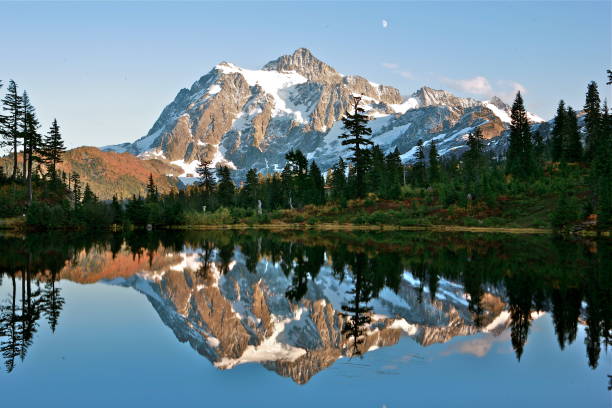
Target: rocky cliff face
251,118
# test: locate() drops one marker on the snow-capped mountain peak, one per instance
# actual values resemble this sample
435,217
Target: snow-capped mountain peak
248,118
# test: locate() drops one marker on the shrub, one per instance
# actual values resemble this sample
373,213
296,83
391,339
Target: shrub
218,217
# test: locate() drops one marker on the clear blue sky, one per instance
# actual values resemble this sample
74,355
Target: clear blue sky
106,70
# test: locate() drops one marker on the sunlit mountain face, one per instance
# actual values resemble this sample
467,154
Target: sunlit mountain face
296,303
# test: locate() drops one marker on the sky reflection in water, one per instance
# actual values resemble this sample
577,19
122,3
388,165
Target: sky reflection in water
327,319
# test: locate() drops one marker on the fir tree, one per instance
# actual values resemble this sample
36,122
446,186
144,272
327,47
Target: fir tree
53,148
117,210
602,169
473,157
317,185
298,183
27,113
434,163
520,151
592,119
88,196
556,133
419,165
376,175
356,136
226,188
206,178
152,192
33,146
572,147
250,189
75,180
394,171
10,132
338,182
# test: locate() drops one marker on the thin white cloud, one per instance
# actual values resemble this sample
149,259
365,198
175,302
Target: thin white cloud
385,24
481,86
478,85
396,69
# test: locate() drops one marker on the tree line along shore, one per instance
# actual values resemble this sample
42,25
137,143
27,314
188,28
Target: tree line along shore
543,182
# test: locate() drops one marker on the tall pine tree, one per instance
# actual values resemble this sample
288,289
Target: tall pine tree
356,136
33,146
556,133
226,188
206,178
418,168
10,132
317,185
520,160
572,147
27,112
592,119
53,149
473,158
338,182
434,163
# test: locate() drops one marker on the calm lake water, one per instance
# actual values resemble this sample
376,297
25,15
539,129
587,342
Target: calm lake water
304,319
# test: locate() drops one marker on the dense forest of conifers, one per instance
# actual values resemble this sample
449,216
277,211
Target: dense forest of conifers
565,178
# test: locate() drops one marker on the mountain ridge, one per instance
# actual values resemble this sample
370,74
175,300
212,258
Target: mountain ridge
250,118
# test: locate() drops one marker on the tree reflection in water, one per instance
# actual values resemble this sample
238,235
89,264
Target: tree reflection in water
570,280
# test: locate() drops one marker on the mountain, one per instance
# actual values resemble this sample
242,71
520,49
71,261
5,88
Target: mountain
250,118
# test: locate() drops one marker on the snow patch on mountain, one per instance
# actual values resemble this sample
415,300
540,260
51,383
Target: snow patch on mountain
274,83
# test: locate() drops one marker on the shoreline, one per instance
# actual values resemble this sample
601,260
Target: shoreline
359,227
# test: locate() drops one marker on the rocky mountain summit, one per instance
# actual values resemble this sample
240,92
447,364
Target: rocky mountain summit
250,118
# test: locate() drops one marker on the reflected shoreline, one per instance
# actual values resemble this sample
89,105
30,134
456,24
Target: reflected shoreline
296,301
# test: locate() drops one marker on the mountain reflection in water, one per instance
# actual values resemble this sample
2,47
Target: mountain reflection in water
296,302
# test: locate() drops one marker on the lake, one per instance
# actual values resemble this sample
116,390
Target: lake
304,319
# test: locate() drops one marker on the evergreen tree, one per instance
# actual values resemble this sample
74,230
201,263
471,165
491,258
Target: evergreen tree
152,192
206,178
117,210
356,136
592,119
473,158
572,147
539,148
394,172
27,113
434,163
75,179
33,145
226,188
317,185
419,165
338,181
520,161
10,132
250,189
88,196
376,175
602,169
556,133
298,182
53,148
